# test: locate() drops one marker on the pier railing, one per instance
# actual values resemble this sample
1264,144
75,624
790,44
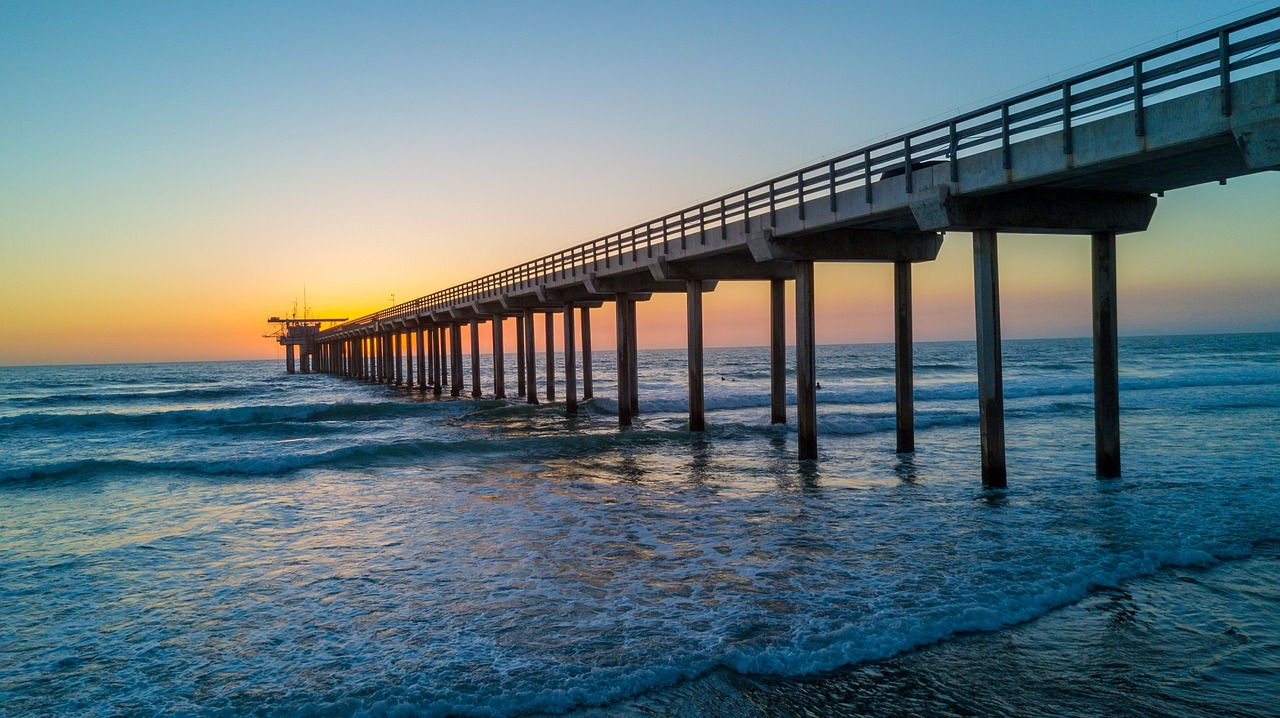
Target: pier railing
1213,58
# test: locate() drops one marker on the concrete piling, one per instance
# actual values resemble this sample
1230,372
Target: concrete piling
570,362
475,359
624,359
587,390
530,360
1106,359
903,358
986,286
499,360
806,367
777,351
697,409
551,355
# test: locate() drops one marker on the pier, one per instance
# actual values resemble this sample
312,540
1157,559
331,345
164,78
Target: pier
1088,155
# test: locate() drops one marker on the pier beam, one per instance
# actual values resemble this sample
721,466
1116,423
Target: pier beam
475,359
455,350
777,351
1106,356
530,360
499,360
585,314
903,357
288,359
570,362
806,366
551,355
697,406
624,373
986,287
520,391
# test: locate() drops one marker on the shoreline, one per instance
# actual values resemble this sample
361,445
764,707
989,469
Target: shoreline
1184,641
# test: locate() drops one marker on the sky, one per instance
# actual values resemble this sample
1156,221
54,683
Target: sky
171,174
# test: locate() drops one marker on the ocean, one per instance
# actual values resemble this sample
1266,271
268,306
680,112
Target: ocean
224,539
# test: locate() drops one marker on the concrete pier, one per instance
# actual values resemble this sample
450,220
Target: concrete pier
1080,156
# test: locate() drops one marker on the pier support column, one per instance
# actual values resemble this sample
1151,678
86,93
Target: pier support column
530,360
777,351
1106,356
570,362
806,365
375,358
986,287
520,390
499,360
421,340
697,408
587,392
400,357
903,357
408,359
624,360
304,359
393,357
437,357
475,359
633,358
551,355
446,356
288,359
455,351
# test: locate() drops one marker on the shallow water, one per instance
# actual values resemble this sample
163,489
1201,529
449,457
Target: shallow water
223,539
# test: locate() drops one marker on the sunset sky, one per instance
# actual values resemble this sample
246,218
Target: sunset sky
173,173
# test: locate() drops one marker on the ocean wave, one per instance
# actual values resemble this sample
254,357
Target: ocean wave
171,395
373,453
264,414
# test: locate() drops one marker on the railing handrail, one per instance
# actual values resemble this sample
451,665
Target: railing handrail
946,138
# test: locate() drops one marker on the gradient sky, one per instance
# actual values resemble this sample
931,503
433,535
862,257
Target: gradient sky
173,173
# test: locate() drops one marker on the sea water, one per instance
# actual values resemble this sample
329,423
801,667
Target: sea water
226,539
